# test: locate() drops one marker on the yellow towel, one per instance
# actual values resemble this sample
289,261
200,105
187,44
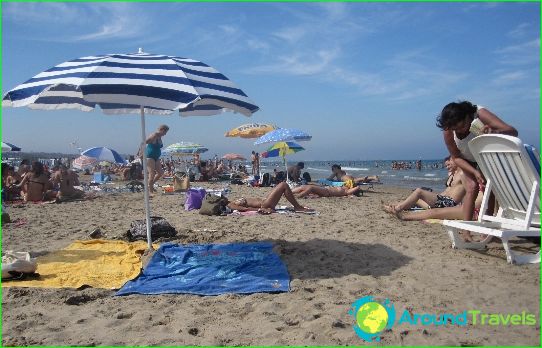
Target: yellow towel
105,264
432,221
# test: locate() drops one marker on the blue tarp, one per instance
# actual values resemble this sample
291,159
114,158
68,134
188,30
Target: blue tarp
211,269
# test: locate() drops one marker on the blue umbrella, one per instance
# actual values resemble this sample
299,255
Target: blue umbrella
283,134
7,147
133,83
104,154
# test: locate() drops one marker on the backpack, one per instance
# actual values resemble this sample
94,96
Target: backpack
307,177
266,180
213,205
160,228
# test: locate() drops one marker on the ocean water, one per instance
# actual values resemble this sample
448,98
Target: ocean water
428,176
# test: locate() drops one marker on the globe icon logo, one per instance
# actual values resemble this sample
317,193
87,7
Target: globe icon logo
372,317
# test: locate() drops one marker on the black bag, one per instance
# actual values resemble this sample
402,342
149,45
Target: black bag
160,228
237,182
213,205
266,180
307,177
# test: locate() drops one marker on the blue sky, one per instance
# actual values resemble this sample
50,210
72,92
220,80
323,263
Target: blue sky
367,80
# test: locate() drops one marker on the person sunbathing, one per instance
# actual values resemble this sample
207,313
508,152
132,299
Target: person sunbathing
319,191
268,204
66,180
450,197
34,184
338,174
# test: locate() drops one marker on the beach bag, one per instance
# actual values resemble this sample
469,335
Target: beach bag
16,264
266,180
307,177
160,228
213,205
194,197
180,183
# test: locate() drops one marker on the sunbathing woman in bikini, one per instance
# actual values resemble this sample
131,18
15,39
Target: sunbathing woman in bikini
35,183
268,204
342,191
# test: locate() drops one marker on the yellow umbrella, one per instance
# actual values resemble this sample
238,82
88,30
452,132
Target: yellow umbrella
251,130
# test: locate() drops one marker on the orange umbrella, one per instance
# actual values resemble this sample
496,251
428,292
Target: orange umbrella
233,157
251,130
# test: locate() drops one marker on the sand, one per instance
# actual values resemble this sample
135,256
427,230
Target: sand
352,249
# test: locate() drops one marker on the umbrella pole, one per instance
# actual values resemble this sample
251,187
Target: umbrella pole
286,167
146,181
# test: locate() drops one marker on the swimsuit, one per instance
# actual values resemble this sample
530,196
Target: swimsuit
445,202
153,150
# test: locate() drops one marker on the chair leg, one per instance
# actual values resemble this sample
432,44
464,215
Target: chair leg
459,243
519,259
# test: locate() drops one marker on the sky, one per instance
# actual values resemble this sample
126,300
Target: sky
366,80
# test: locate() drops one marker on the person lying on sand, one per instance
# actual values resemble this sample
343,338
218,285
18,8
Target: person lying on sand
268,204
319,191
450,197
340,175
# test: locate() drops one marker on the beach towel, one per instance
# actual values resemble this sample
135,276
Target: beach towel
211,269
330,183
96,263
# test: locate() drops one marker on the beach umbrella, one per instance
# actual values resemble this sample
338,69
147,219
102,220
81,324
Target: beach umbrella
104,154
251,130
83,162
281,149
133,83
7,147
283,134
183,148
233,157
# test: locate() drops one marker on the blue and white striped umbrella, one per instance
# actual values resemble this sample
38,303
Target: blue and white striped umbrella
122,83
133,83
283,134
7,147
104,154
183,148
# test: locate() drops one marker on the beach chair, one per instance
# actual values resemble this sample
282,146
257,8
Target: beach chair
512,171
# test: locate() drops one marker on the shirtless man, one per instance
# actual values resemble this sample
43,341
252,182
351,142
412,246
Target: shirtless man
450,197
268,204
342,191
294,172
66,180
340,175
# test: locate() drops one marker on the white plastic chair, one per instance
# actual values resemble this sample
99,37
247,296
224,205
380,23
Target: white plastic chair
512,172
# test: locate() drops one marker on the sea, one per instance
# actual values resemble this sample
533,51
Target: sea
431,175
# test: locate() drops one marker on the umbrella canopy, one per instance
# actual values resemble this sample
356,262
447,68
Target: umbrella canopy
132,83
104,154
83,162
7,147
233,157
282,149
183,148
251,130
283,134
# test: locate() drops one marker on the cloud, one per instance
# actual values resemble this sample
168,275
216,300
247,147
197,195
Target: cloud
509,77
86,22
519,54
520,31
299,64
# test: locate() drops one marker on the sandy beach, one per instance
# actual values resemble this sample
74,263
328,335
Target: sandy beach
350,250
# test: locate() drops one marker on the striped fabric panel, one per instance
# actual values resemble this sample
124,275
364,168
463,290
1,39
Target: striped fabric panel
160,83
